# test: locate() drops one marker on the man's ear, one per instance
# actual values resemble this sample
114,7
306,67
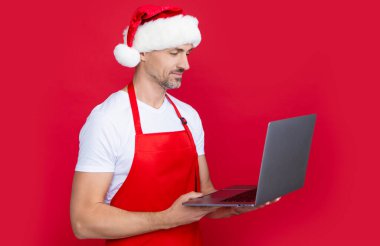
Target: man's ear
143,56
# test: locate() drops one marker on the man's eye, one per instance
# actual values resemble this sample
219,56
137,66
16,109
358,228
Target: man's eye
173,53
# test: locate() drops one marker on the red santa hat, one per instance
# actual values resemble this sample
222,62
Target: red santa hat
156,28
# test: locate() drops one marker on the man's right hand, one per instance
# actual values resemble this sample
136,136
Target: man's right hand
178,214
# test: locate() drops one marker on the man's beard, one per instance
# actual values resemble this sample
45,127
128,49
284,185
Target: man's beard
167,84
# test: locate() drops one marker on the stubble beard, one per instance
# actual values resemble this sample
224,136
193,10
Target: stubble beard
167,84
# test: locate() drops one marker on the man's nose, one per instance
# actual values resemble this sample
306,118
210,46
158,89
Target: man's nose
184,63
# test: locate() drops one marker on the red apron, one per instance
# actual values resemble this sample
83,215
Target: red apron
165,166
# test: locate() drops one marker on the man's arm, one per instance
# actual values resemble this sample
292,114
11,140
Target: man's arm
206,183
92,218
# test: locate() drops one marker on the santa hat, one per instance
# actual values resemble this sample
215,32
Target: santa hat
156,28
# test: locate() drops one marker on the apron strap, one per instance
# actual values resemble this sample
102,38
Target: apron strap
183,120
135,109
184,123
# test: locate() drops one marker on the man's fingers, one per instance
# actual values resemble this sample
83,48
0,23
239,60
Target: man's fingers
207,210
241,210
273,201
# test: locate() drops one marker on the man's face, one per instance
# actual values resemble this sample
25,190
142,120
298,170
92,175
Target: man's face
167,66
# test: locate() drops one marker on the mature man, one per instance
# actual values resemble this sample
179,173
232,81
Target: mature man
142,150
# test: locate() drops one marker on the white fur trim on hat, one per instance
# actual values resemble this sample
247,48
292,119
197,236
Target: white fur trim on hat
159,34
166,33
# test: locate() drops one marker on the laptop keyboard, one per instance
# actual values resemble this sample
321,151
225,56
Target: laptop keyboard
247,196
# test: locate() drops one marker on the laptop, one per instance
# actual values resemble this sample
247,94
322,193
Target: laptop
283,166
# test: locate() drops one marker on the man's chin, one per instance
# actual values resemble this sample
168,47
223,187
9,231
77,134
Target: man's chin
174,85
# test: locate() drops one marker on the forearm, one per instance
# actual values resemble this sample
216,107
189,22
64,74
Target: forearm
207,186
108,222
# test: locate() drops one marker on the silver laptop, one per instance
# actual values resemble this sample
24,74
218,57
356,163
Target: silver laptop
283,166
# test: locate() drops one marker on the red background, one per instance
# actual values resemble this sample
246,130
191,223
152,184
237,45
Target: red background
258,61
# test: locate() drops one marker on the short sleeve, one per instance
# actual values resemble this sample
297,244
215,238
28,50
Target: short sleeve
199,135
97,145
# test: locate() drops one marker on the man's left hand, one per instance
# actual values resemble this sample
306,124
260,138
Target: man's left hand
225,212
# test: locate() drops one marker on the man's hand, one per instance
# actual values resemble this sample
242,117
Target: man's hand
225,212
178,214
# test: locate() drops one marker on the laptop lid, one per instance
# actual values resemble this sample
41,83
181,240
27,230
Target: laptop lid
285,157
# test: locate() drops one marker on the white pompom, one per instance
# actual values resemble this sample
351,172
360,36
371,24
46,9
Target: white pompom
126,56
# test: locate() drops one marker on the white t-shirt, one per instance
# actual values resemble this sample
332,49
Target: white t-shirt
107,139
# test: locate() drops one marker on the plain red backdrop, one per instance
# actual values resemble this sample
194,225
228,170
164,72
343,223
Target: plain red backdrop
258,61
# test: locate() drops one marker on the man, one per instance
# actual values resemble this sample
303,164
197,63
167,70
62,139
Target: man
141,150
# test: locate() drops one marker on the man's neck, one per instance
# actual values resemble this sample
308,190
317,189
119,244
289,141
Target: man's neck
147,90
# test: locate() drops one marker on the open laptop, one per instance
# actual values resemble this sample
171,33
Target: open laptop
283,166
